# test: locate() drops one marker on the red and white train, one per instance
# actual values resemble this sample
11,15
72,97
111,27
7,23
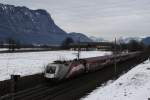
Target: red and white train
59,70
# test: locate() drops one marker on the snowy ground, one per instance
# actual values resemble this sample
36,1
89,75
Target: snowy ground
33,62
3,49
134,85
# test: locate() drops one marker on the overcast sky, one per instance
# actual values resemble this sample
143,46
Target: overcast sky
101,18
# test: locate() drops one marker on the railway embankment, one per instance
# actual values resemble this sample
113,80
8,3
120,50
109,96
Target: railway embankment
78,88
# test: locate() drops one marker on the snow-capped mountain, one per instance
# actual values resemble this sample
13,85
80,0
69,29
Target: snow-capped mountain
128,39
97,39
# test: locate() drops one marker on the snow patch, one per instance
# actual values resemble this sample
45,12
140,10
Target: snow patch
134,85
34,62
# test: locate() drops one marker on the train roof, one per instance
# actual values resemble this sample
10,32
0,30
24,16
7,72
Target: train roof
92,59
98,58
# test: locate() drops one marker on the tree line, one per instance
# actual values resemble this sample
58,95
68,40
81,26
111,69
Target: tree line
133,45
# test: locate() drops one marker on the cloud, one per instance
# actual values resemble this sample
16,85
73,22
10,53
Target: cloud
105,18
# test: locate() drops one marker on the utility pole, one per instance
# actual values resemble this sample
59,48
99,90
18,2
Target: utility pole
12,87
14,79
115,53
78,54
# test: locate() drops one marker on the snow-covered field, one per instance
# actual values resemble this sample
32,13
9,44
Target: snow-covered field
33,62
134,85
3,49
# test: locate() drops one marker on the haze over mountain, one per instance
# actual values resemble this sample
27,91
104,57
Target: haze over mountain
30,26
145,40
128,39
98,39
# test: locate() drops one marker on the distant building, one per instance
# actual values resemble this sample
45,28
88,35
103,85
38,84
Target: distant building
87,46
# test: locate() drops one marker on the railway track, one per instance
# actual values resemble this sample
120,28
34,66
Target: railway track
24,92
71,89
42,92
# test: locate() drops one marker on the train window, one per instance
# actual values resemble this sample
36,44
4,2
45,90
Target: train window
51,69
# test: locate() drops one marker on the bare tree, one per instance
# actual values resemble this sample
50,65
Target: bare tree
13,44
66,43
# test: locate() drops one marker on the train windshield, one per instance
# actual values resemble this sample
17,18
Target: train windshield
51,69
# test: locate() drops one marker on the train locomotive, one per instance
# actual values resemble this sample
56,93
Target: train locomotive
60,70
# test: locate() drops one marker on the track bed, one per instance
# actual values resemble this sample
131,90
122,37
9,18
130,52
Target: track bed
73,89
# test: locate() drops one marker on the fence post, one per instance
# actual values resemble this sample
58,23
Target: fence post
14,79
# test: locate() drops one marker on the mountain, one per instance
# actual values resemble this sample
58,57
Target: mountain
128,39
97,39
29,26
146,41
32,27
79,37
